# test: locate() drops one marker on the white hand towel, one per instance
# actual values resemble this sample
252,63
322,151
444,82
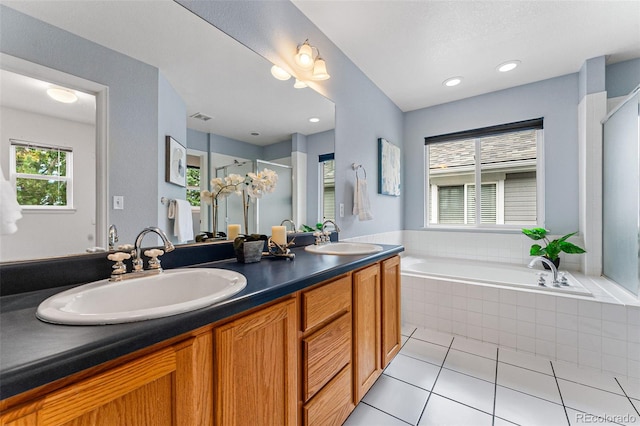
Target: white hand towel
180,211
10,210
361,206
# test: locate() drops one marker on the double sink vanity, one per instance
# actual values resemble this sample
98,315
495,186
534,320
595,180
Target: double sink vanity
282,342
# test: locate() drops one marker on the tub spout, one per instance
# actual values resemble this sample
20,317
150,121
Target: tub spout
541,259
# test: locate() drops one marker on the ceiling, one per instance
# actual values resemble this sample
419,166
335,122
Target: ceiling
29,94
213,73
408,48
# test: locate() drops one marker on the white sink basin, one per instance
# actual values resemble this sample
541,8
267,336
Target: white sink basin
344,248
169,293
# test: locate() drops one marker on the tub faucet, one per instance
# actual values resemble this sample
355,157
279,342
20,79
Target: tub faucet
293,224
137,260
549,263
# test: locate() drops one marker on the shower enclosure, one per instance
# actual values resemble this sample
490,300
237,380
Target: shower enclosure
621,193
265,212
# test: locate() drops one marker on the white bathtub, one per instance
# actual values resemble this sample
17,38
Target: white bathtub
498,274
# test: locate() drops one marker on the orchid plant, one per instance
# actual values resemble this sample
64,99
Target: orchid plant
256,185
249,187
221,188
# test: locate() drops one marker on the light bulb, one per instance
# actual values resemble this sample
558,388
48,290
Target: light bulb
304,57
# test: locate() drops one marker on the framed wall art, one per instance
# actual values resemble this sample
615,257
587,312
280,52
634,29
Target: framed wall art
176,162
388,168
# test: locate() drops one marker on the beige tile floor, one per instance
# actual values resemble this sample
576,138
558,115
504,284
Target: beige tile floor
441,379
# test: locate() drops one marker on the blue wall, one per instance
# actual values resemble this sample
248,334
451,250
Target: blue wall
622,78
172,121
363,113
555,99
133,108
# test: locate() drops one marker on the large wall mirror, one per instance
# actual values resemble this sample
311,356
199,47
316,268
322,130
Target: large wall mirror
144,70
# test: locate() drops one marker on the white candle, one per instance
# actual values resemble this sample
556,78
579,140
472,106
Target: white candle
232,231
279,235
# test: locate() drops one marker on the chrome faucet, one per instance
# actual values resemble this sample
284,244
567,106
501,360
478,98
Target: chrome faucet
549,263
323,236
293,224
113,237
137,260
324,224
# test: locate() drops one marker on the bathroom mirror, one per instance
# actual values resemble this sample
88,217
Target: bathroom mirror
172,54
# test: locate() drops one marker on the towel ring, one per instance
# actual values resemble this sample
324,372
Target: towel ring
355,167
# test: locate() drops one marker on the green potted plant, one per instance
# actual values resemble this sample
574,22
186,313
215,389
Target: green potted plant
552,248
248,248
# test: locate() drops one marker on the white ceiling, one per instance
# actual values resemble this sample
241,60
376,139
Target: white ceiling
213,73
29,94
408,48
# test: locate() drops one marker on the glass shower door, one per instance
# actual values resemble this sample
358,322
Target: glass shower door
621,196
275,207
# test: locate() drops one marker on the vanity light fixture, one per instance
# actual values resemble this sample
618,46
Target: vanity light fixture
279,73
308,58
299,84
62,95
453,81
314,119
508,66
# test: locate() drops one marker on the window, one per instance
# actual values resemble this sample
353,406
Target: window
42,175
193,185
504,159
327,187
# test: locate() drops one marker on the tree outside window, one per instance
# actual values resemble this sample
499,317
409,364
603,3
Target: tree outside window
193,186
42,175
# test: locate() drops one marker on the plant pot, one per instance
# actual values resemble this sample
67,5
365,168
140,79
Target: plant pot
555,262
250,251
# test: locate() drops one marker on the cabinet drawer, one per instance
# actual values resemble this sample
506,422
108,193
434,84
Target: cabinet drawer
325,353
333,404
326,301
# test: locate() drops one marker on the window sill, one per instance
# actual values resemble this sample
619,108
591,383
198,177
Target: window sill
515,229
44,210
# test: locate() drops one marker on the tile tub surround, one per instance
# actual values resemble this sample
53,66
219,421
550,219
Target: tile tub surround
440,378
602,334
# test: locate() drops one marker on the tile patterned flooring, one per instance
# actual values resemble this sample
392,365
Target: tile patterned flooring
440,379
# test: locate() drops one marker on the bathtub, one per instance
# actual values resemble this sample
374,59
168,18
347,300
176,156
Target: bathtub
496,274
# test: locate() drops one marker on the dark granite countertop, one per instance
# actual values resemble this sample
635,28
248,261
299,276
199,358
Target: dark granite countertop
33,353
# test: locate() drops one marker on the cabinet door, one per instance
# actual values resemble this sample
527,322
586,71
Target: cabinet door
256,378
163,388
390,303
366,329
137,393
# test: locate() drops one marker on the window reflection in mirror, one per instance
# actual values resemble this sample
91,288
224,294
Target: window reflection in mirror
327,199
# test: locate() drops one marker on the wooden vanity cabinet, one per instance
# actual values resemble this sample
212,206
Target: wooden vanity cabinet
376,322
166,387
255,368
366,329
325,353
307,358
391,339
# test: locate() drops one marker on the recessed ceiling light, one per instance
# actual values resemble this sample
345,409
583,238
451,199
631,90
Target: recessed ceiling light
314,119
453,81
62,95
279,73
508,66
